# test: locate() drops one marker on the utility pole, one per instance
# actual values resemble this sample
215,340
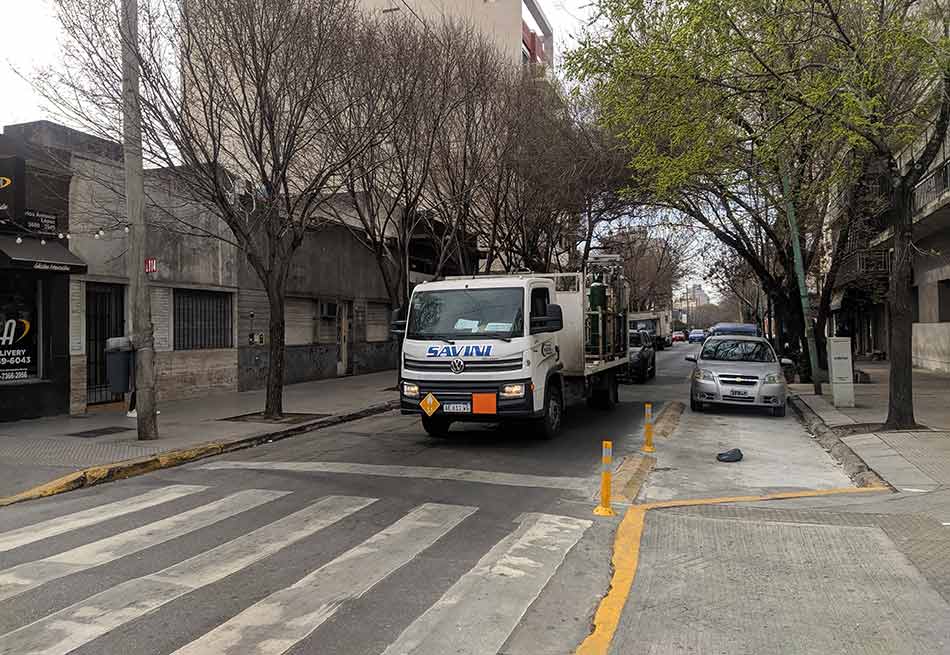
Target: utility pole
141,333
802,288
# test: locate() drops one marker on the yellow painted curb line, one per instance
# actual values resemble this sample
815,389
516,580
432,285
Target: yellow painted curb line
627,554
131,467
117,471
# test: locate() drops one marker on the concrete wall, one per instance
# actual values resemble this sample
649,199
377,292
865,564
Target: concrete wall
500,19
190,373
931,337
932,346
331,266
184,261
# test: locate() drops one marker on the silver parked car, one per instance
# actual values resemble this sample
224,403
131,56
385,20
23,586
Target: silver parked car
738,370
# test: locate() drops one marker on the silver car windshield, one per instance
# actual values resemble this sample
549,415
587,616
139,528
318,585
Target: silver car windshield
727,350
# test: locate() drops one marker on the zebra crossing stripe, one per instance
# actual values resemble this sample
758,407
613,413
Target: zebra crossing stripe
18,579
275,624
61,525
425,472
68,629
479,612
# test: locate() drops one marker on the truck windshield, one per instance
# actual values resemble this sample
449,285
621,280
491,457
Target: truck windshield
466,314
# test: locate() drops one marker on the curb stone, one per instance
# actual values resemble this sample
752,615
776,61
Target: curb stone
856,468
94,475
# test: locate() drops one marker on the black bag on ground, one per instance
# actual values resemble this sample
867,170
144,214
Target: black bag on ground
733,455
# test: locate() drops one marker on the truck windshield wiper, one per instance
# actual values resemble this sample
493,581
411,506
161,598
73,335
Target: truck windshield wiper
433,337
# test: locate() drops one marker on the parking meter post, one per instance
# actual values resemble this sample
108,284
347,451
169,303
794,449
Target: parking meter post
648,429
606,465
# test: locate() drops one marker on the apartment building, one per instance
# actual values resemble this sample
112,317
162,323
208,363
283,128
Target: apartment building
522,31
859,302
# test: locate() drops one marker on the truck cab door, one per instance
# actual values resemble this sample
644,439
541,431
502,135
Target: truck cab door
543,345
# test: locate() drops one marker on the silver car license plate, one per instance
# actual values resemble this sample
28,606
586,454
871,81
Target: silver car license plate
738,393
457,408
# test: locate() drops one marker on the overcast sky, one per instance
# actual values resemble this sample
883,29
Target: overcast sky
30,41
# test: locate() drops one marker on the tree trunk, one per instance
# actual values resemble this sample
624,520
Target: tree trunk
900,405
276,294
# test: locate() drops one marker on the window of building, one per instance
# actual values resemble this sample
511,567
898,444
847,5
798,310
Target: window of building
203,320
300,322
327,321
20,326
943,301
377,321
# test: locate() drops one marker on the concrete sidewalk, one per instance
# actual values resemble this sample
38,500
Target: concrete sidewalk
37,451
913,461
930,398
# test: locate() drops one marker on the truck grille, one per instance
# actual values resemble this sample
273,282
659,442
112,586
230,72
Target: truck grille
739,380
510,364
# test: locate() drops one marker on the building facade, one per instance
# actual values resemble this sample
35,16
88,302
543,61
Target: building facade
859,302
209,311
519,27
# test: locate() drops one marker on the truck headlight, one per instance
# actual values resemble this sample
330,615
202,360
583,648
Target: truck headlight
703,374
512,391
410,390
772,378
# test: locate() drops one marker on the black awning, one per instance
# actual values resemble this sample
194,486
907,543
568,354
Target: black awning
33,254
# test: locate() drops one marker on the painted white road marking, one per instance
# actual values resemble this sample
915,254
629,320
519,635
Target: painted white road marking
18,579
60,525
479,612
425,472
70,628
275,624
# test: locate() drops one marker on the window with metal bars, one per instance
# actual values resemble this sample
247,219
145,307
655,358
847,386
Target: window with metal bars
203,320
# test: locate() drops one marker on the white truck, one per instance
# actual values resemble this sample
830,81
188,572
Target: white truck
513,347
660,323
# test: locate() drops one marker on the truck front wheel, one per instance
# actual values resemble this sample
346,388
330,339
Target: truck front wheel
550,423
436,427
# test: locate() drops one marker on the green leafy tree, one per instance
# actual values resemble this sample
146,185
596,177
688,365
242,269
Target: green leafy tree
708,91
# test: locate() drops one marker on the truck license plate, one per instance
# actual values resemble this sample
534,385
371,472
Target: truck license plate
457,408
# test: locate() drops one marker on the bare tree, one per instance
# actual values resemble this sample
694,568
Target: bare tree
251,105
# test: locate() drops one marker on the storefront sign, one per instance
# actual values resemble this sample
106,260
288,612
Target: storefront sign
40,222
12,189
18,327
17,352
48,197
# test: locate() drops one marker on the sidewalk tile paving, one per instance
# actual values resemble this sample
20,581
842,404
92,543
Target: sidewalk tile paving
36,451
916,460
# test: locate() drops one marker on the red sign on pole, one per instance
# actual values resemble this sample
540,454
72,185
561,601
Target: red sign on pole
151,265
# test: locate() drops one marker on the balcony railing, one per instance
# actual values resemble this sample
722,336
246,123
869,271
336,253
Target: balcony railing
933,186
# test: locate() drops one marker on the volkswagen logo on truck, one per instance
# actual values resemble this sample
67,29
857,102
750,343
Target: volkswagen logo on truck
458,365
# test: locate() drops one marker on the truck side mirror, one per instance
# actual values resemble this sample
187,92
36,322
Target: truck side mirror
553,321
398,325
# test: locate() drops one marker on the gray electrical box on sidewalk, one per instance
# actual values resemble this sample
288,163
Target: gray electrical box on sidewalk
119,364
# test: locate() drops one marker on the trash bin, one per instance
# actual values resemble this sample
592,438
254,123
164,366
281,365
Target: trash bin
119,364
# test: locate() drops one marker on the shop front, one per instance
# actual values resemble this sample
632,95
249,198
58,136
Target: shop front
35,265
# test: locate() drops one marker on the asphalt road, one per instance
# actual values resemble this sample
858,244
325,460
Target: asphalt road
371,538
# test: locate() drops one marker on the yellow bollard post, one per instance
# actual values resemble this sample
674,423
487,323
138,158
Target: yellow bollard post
606,464
648,428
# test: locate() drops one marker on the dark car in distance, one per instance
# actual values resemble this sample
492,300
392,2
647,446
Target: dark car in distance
642,356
